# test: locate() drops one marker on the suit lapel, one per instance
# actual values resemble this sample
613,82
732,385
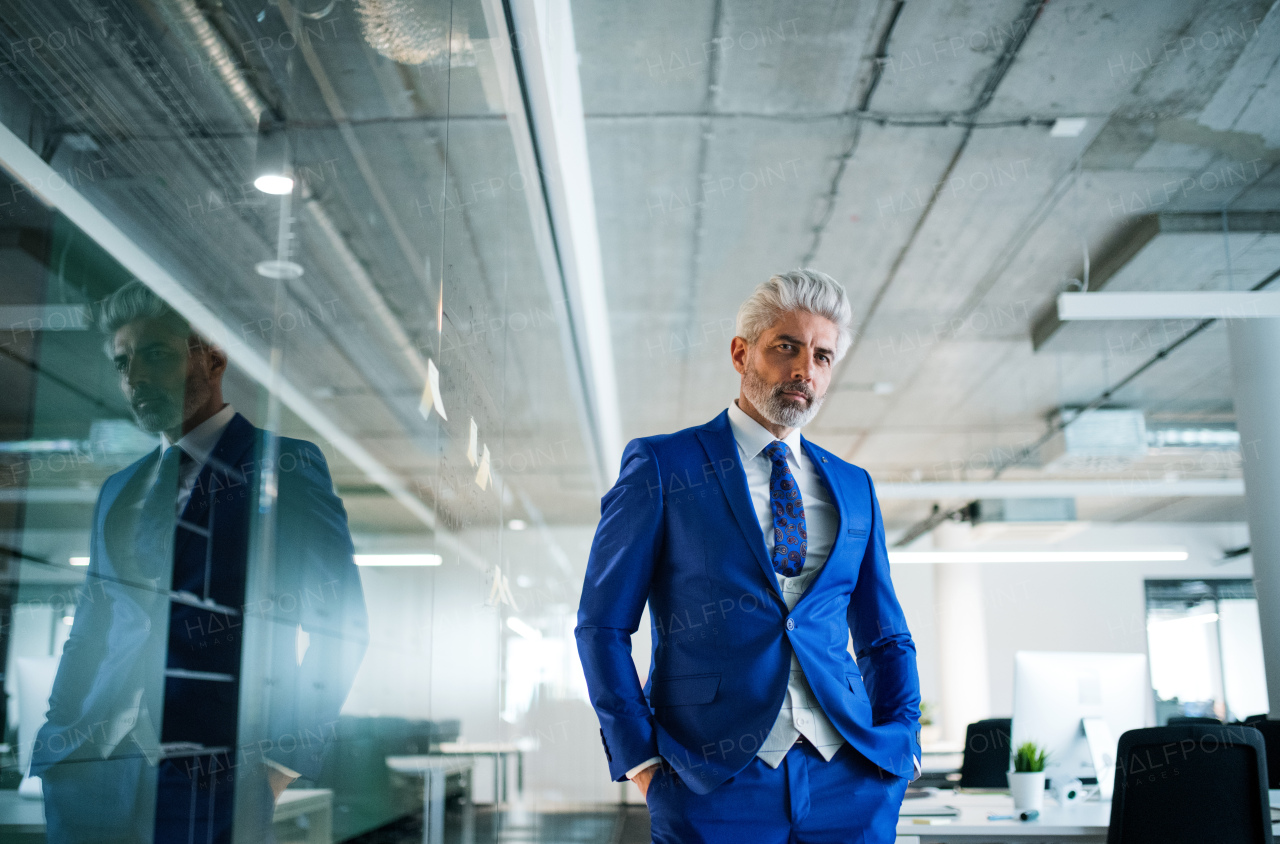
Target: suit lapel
817,456
721,448
123,489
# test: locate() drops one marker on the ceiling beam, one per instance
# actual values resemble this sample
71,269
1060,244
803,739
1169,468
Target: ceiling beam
537,63
1137,237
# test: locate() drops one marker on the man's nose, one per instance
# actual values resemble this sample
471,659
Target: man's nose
134,374
803,370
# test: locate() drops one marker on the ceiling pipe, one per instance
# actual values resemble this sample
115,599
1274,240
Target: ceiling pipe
186,17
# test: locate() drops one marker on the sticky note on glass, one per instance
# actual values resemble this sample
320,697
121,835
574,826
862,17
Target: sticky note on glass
471,443
431,393
482,474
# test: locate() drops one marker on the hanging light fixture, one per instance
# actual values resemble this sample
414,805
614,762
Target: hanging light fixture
272,170
413,32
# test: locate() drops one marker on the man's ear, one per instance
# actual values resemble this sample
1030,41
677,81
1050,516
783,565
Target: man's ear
738,351
217,361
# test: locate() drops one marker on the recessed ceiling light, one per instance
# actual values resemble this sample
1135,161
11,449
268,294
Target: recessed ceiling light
1068,127
78,561
517,524
276,184
278,269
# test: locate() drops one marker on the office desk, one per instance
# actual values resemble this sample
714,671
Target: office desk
313,804
1083,822
499,751
434,770
20,816
23,819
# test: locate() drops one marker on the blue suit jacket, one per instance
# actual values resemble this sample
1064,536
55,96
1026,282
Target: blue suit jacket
128,634
678,530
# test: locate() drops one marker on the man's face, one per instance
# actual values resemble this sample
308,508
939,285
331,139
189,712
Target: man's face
786,372
166,375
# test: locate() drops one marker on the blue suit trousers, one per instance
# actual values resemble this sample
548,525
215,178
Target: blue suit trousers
805,800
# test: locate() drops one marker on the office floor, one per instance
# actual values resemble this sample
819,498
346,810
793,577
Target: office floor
602,827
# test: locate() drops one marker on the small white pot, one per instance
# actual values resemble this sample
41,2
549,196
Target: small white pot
1027,790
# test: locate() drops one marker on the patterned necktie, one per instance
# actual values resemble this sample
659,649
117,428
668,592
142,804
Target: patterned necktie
153,537
790,536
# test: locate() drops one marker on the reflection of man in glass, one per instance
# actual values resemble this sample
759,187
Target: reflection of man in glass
162,727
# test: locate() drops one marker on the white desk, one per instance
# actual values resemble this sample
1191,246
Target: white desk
313,804
434,770
1083,822
499,750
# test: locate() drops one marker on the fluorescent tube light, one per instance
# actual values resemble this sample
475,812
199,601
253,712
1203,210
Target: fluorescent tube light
524,629
1036,556
78,561
398,559
1068,127
1202,618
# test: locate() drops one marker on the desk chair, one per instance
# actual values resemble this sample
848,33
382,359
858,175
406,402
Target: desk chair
1191,784
1271,740
1179,720
986,753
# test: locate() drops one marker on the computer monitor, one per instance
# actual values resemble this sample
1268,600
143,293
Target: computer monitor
1076,705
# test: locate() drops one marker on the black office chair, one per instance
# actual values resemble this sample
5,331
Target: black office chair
986,754
1191,784
1271,740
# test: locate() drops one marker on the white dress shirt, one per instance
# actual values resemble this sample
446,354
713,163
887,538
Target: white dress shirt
198,443
800,715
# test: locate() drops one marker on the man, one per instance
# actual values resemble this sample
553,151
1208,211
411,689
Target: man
759,555
163,725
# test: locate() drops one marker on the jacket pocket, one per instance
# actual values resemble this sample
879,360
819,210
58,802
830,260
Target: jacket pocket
684,691
856,686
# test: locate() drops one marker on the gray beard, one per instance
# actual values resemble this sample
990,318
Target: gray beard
773,405
158,420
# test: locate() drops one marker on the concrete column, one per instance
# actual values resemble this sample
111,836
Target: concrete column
1255,369
963,679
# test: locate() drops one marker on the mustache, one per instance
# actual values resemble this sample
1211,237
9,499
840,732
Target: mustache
794,387
141,396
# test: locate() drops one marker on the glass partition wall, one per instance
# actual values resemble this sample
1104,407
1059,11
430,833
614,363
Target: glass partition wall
283,355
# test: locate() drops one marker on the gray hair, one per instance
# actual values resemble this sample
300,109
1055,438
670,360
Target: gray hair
798,290
135,301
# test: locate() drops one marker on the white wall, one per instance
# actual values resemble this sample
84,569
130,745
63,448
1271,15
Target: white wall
1068,607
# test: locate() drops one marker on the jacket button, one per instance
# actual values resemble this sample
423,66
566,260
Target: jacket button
791,624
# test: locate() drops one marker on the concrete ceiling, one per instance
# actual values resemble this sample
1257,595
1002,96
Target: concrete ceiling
728,140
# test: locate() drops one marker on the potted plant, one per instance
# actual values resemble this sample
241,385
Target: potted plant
1026,780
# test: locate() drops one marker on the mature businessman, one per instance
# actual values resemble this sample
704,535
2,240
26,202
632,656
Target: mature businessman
760,556
221,621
